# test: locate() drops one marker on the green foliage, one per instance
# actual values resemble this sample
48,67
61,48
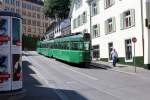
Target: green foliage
29,42
57,8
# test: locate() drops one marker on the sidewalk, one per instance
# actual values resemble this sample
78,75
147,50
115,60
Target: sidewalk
127,69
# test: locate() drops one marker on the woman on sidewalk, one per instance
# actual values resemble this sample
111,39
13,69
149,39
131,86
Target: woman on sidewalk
114,56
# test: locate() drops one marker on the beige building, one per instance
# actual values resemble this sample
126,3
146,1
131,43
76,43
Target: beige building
34,22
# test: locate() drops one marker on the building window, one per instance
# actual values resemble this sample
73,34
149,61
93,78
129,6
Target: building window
127,19
33,22
17,11
24,21
13,9
24,5
96,31
78,4
110,48
24,29
96,53
109,3
128,49
94,8
84,17
38,16
29,29
7,1
7,8
110,25
29,14
29,21
17,3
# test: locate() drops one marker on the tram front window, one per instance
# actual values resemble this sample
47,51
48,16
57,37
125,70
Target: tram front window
86,46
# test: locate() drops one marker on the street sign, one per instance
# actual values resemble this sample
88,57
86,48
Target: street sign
134,40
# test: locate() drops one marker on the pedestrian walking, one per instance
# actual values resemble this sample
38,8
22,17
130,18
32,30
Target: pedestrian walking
114,56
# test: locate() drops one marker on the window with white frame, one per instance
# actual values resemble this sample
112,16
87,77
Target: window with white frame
128,49
110,25
96,53
94,8
84,17
127,19
96,31
78,4
108,3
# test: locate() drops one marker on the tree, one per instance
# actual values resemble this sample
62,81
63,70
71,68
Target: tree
57,9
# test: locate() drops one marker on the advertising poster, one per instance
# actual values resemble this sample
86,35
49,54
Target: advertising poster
4,73
17,71
4,38
5,70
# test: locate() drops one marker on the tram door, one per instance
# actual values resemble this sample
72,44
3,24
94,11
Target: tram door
10,52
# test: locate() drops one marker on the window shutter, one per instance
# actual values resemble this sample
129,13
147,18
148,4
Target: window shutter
92,13
98,29
114,24
121,21
105,4
81,19
106,27
75,23
132,11
112,2
92,31
98,7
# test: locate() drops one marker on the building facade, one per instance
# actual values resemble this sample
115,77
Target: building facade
34,22
57,29
113,24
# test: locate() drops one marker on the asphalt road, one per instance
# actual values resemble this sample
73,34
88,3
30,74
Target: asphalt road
50,79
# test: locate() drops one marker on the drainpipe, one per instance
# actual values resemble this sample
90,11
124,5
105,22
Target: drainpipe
89,4
142,26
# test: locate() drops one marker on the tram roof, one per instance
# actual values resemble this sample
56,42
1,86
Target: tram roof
78,37
73,37
8,13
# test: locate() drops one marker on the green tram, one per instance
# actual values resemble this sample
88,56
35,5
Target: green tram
73,48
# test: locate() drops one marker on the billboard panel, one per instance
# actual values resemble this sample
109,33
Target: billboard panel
5,69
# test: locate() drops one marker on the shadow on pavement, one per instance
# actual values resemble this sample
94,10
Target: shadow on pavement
25,54
37,91
85,66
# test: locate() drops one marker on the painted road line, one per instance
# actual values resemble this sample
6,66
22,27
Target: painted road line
58,92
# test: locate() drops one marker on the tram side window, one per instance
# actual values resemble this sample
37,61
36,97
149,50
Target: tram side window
50,45
74,46
77,46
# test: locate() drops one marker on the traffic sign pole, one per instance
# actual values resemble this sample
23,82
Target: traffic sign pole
134,58
134,40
